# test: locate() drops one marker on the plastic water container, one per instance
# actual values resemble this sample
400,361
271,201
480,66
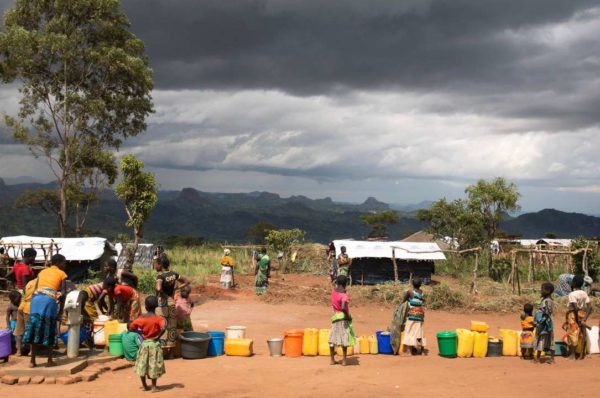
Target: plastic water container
115,344
216,345
238,347
324,342
356,347
494,347
477,326
593,340
447,343
480,344
82,336
349,351
364,345
466,341
194,345
5,343
99,338
275,346
236,332
510,342
383,343
110,327
310,342
292,343
561,348
373,345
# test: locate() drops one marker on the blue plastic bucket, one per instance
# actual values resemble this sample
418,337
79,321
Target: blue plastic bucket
216,346
383,343
82,336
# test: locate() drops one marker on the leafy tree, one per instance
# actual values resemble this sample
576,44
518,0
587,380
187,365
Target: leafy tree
453,219
83,77
379,222
258,232
139,192
491,200
282,240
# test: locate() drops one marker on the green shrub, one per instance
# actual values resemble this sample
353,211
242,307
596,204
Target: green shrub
443,296
146,280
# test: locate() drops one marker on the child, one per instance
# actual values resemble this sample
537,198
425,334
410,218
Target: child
342,333
544,326
578,311
150,362
14,298
124,303
184,306
415,316
527,328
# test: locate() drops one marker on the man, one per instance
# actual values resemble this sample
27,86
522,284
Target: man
22,271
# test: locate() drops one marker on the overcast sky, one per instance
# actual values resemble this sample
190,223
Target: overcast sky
402,100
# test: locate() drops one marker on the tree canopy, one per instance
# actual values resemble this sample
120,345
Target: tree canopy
379,222
84,78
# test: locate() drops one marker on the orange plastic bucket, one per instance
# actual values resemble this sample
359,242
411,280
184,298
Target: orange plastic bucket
292,343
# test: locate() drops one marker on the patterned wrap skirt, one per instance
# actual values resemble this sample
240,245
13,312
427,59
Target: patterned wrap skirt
226,277
150,362
575,335
168,311
41,325
339,335
413,334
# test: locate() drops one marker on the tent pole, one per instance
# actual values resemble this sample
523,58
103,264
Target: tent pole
395,264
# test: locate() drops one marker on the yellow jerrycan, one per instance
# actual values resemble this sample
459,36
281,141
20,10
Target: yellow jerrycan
480,344
324,342
364,345
310,342
466,341
510,342
373,346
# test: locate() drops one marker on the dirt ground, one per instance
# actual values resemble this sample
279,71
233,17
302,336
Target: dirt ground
367,375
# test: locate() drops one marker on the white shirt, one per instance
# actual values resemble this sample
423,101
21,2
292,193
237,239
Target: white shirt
579,298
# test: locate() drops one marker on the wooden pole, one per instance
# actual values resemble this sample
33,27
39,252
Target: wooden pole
517,276
547,266
395,265
474,283
530,272
513,257
584,264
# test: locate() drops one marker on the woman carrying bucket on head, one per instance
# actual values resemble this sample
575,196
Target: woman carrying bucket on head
342,332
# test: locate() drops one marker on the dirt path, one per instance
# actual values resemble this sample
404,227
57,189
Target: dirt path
263,376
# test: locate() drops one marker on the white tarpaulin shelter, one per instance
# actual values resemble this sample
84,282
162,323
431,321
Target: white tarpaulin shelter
74,249
402,250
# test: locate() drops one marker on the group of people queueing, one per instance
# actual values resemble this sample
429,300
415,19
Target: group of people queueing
262,271
579,308
36,307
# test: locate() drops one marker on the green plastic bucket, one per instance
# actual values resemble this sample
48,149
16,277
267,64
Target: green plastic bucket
115,344
447,341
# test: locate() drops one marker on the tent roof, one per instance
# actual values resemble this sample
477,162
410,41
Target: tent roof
422,236
402,250
74,249
555,242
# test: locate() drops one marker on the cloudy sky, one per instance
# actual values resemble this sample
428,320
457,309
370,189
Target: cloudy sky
403,100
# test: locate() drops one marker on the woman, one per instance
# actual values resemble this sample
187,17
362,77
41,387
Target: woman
579,309
123,276
41,327
261,272
124,300
166,285
413,328
227,264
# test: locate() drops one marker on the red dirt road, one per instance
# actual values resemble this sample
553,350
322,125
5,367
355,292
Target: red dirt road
376,375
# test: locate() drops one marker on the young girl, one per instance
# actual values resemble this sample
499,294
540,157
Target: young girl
184,307
342,333
578,311
413,329
544,326
527,328
14,298
124,303
150,362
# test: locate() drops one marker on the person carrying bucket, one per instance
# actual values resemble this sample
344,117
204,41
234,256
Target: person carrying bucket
342,332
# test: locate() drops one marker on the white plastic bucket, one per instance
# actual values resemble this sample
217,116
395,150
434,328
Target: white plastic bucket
236,332
99,333
593,340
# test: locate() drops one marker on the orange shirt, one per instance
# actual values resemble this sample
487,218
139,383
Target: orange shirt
125,292
52,278
150,326
227,261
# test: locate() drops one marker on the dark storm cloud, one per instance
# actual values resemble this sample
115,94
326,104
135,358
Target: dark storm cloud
317,46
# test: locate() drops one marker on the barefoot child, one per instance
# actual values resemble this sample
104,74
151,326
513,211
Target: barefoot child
342,333
544,326
527,328
12,309
150,362
579,309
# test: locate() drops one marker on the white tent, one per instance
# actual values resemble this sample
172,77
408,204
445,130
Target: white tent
74,249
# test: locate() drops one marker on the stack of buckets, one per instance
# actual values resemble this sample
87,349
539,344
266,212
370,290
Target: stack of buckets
236,343
474,342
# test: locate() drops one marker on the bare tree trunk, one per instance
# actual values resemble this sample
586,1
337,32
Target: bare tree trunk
136,242
77,221
62,215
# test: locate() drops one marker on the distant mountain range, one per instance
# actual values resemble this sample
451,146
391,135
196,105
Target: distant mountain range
227,216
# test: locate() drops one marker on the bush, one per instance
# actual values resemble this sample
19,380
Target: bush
146,280
444,297
500,270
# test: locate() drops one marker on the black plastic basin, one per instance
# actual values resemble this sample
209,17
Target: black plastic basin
194,345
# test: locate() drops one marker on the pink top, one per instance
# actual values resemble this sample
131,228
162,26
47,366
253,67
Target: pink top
183,307
337,299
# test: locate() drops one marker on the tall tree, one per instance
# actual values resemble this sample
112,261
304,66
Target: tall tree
379,222
83,77
282,240
139,192
492,200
